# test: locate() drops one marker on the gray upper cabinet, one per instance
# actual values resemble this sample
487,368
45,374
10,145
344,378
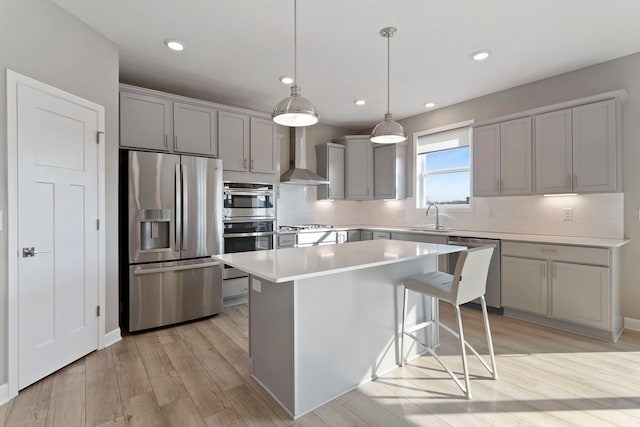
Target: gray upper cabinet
502,158
330,165
576,149
262,137
233,141
594,147
359,167
486,160
246,144
145,121
554,161
389,171
195,129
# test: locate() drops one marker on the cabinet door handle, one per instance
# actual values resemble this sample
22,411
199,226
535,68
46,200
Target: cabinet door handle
569,182
501,185
253,164
575,182
166,141
175,141
244,163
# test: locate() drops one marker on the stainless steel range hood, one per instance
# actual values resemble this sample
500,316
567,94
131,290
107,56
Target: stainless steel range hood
298,172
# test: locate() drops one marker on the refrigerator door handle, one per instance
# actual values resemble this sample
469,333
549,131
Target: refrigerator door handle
185,207
175,268
178,216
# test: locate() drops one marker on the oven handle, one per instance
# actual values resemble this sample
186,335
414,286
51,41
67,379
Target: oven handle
249,218
250,193
175,268
262,233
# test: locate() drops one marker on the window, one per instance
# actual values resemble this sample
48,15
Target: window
444,168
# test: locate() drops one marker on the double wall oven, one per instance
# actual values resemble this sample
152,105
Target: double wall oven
249,217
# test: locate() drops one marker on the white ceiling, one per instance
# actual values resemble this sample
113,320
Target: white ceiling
237,49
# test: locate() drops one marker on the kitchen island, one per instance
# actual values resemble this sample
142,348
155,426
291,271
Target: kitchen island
324,319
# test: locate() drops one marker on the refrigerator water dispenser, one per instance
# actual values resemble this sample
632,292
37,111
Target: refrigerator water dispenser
154,229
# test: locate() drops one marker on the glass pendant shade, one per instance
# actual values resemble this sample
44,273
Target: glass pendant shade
388,132
295,110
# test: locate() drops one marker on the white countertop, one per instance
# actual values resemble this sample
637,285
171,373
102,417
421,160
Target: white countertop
517,237
283,265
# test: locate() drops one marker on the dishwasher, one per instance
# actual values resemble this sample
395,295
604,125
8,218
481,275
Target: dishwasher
492,295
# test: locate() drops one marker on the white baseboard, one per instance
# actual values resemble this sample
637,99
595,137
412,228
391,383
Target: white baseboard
632,324
4,394
112,337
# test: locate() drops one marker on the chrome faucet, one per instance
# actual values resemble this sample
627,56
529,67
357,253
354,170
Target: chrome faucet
438,225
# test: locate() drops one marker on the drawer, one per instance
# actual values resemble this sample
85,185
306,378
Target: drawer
286,240
381,235
577,254
235,287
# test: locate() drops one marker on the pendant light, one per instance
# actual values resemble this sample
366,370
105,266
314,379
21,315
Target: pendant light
295,110
388,131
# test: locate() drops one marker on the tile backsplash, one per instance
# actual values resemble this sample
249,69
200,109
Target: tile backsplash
594,215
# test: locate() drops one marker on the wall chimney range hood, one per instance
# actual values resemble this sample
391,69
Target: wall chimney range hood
298,172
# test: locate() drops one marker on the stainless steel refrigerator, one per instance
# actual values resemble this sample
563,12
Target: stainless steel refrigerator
175,225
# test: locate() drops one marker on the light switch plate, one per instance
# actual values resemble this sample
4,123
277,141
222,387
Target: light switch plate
256,285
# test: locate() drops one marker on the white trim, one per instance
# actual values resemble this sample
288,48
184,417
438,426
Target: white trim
112,337
12,80
444,128
4,394
632,324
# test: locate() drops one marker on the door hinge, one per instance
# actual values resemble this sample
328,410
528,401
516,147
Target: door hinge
97,311
97,224
98,136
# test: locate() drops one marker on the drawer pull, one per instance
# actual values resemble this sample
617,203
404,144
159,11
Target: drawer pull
548,251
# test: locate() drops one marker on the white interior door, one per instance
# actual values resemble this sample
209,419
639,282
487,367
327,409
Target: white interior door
57,211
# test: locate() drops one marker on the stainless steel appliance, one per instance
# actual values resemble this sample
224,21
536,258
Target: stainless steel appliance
175,225
249,220
315,234
492,294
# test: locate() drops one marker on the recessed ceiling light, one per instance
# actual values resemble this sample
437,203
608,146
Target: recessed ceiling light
359,102
429,105
480,55
286,80
174,45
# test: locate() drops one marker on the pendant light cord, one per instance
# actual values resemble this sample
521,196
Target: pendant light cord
295,43
388,70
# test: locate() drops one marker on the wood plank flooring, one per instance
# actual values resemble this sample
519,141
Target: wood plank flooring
198,374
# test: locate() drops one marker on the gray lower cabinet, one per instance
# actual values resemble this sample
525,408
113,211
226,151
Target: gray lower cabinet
353,235
366,235
576,288
377,235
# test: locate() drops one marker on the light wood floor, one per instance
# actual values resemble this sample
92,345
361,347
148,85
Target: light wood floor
197,374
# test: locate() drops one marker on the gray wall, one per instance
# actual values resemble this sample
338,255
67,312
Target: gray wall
623,73
42,41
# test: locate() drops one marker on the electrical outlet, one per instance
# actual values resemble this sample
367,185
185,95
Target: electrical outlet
256,285
567,214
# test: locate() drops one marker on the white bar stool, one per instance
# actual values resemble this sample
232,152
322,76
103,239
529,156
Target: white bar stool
473,266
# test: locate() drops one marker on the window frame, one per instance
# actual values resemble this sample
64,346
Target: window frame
419,172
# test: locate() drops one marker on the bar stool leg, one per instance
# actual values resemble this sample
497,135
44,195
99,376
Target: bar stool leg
404,316
485,315
463,352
